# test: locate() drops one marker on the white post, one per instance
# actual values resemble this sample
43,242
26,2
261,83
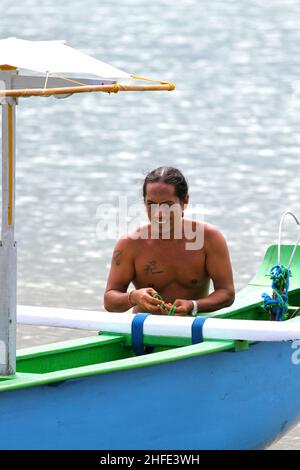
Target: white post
8,249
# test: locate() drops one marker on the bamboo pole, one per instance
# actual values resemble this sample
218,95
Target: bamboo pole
115,88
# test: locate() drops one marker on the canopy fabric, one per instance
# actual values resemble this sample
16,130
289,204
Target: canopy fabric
54,57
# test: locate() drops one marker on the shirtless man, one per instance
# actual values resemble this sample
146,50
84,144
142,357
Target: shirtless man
159,264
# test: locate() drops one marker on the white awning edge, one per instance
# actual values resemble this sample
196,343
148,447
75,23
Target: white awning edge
54,57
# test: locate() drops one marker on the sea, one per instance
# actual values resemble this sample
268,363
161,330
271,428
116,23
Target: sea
232,126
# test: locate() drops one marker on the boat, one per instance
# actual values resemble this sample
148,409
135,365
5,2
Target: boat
227,380
95,393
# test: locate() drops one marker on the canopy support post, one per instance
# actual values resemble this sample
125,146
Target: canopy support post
8,248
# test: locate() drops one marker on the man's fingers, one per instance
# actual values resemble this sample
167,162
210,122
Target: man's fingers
154,301
151,308
151,291
179,310
165,308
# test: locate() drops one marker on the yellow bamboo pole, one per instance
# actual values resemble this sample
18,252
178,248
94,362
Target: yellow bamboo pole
114,88
7,68
10,163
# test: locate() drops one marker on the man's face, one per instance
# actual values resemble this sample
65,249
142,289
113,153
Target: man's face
164,208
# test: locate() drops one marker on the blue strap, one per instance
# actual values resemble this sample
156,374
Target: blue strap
137,332
197,329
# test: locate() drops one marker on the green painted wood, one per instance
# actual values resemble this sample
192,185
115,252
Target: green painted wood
24,380
261,278
250,296
68,355
80,343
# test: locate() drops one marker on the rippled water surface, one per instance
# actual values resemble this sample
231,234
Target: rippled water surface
232,126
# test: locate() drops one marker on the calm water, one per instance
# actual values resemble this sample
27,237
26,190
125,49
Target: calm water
231,126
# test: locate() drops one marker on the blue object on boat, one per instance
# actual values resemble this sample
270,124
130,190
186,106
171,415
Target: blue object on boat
137,333
197,329
278,304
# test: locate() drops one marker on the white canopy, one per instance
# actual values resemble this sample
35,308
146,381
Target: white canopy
54,57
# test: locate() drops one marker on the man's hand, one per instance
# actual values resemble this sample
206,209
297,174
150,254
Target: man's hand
143,298
183,307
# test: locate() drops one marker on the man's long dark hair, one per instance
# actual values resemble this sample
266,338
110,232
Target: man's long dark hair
168,175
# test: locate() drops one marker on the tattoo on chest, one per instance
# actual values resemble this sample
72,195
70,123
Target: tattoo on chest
117,257
194,281
151,268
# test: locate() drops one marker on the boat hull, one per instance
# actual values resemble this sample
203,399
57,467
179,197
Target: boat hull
226,400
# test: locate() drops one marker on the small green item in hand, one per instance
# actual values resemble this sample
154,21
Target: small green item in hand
163,306
172,310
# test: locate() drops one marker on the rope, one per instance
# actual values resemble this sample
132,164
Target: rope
46,81
278,304
136,77
62,77
172,309
116,87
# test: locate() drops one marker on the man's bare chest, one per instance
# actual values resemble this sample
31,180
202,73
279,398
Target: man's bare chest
160,264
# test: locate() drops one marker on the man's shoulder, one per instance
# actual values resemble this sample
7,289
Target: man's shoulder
213,236
206,228
211,230
210,234
134,236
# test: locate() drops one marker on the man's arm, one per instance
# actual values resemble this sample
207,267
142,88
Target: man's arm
219,269
122,272
116,298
